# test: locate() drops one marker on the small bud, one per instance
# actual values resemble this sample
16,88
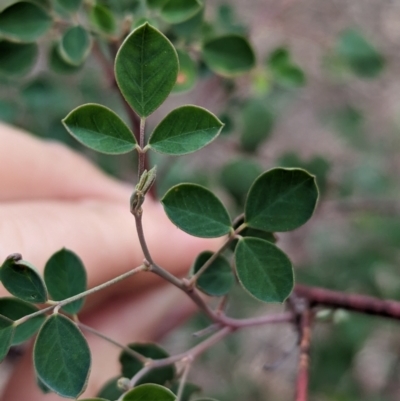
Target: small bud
124,383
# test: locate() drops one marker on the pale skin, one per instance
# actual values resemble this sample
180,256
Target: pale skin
50,198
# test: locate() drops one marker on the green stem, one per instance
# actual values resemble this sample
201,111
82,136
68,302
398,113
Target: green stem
66,301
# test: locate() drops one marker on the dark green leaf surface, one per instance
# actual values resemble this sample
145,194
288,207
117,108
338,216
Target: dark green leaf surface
156,3
14,309
24,22
103,19
61,357
22,280
69,5
237,176
42,386
6,334
131,365
205,399
187,75
16,58
57,63
177,11
93,399
257,124
110,390
185,130
75,45
229,55
197,211
146,68
65,276
188,390
281,200
218,279
149,392
263,270
100,129
359,54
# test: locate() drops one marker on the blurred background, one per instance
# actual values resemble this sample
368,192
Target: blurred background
324,95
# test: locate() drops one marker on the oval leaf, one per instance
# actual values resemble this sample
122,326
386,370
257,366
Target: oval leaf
187,75
58,64
65,276
69,5
6,334
75,45
24,22
281,200
62,357
152,392
263,270
359,54
17,59
218,279
177,11
185,130
146,68
131,365
100,129
14,309
229,55
103,19
197,211
23,281
110,390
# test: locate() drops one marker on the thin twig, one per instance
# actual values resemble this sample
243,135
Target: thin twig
128,350
304,357
317,296
66,301
183,380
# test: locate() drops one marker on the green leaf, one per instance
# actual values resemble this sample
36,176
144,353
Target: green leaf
103,19
149,392
360,55
99,128
6,334
185,130
197,211
57,63
14,309
61,357
69,5
258,122
65,276
17,59
188,390
110,390
281,200
187,75
177,11
131,365
191,28
42,386
22,280
156,3
218,279
263,270
75,45
146,68
229,55
237,176
24,22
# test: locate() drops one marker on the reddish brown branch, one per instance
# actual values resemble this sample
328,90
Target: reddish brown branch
358,303
304,356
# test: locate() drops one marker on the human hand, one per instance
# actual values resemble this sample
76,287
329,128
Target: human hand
52,198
